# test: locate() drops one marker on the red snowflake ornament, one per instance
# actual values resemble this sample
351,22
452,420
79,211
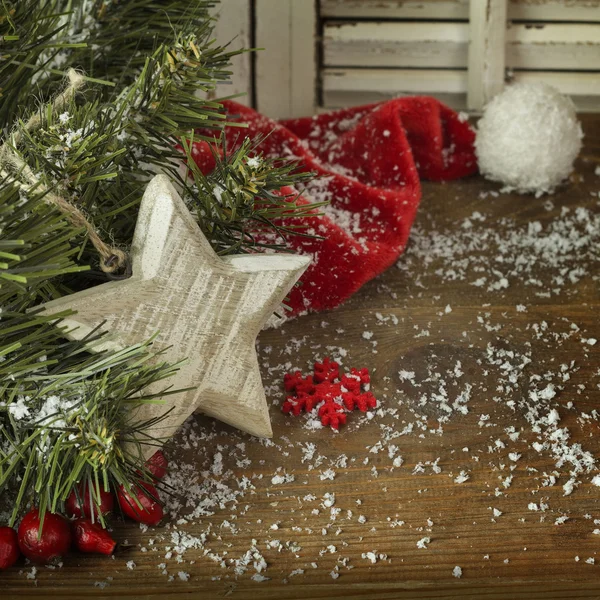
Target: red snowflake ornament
334,395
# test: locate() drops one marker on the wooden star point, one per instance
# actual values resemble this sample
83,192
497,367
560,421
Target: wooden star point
201,307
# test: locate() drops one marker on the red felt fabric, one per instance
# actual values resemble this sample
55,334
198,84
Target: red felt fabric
369,160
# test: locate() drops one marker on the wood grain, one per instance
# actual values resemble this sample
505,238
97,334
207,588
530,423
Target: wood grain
518,10
349,86
233,27
286,67
487,51
463,530
412,44
204,311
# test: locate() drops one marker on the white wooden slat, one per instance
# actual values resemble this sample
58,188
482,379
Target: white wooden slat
444,45
430,81
273,76
395,9
388,44
553,46
286,69
349,87
395,81
573,84
525,10
554,10
304,58
486,57
234,25
333,100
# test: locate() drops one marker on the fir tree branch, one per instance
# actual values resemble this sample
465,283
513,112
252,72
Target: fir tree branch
66,416
71,421
239,205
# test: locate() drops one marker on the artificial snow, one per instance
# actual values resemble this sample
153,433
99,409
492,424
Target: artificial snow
528,138
512,378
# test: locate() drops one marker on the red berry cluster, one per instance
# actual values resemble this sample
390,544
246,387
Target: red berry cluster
83,532
334,396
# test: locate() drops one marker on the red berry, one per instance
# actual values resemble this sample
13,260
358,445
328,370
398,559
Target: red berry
9,547
54,541
157,464
90,537
151,512
74,508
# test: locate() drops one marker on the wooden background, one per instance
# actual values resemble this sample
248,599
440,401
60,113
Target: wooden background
331,53
463,530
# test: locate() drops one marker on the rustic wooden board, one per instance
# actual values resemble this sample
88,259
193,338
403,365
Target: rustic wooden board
553,46
395,44
463,531
487,51
348,87
234,27
518,10
286,67
403,44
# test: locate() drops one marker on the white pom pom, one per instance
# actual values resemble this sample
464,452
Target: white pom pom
528,138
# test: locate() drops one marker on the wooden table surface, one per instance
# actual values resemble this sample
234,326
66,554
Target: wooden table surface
397,325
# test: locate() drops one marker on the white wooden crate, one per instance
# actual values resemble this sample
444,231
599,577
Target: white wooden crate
349,87
333,53
524,10
459,51
234,27
446,45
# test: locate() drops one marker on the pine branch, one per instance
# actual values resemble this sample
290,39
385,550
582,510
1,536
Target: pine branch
108,39
239,204
71,421
65,415
36,246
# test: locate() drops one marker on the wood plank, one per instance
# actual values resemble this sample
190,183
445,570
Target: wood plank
286,68
343,99
304,58
234,27
573,84
553,46
140,589
518,10
396,81
487,56
445,45
387,44
554,10
395,9
352,87
273,73
462,530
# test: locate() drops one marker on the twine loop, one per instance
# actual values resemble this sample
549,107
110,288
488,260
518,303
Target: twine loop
112,259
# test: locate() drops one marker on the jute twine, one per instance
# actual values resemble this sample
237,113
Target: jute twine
112,259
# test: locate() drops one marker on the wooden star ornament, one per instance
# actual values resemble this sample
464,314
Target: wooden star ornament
203,308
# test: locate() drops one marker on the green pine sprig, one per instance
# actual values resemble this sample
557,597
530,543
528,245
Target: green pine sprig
240,205
149,68
72,421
